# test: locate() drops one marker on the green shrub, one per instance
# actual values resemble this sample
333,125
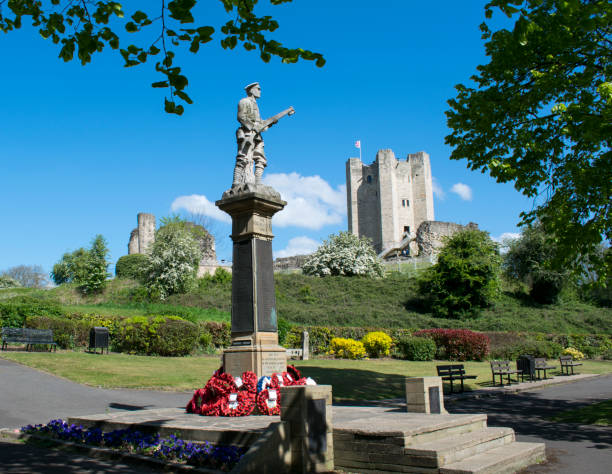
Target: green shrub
205,341
416,348
377,344
221,333
607,354
67,333
347,348
535,348
14,311
175,337
132,266
284,327
159,335
458,344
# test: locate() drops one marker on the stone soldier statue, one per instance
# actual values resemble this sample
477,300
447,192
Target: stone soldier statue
248,136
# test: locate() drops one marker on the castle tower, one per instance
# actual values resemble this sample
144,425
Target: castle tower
389,198
146,232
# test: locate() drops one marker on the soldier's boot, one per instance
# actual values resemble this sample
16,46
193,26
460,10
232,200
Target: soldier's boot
259,168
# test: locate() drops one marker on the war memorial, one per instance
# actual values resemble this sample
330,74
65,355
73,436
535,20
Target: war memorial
287,423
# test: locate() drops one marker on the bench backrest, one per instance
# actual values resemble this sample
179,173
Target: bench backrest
453,369
540,362
41,336
565,360
15,334
498,365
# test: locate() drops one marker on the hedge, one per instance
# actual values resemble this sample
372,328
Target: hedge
458,344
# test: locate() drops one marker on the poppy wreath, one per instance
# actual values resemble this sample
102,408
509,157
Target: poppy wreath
294,372
249,381
222,384
268,401
213,408
195,404
238,404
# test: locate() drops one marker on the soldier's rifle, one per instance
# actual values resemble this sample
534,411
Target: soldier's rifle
249,138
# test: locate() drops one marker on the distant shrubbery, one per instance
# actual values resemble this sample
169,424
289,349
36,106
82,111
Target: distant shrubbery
132,266
377,344
458,344
416,348
347,348
86,268
344,254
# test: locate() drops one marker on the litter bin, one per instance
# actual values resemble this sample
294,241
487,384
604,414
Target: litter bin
98,339
526,364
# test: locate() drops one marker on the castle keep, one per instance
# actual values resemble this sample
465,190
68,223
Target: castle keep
389,199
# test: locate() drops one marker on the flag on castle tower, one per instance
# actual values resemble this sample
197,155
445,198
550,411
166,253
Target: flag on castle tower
358,144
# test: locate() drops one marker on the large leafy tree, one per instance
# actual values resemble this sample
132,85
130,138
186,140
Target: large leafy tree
528,260
540,116
85,27
466,276
85,267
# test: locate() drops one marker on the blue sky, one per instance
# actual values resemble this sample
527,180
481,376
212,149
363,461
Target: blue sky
84,149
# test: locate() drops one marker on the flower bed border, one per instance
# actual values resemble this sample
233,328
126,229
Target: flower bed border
109,453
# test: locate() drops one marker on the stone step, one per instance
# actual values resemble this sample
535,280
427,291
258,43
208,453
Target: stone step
430,433
507,459
455,448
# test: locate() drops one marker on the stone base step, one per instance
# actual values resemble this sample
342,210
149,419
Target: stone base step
455,448
503,460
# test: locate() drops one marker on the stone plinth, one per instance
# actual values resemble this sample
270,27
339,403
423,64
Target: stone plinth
254,344
424,395
307,409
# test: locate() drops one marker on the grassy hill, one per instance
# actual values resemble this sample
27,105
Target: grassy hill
338,301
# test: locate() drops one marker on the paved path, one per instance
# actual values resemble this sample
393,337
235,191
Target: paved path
30,396
571,448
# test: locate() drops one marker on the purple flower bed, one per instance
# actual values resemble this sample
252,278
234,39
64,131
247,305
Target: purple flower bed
168,449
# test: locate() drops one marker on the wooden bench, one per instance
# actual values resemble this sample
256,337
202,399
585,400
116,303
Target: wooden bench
542,365
29,337
501,368
452,373
295,353
566,363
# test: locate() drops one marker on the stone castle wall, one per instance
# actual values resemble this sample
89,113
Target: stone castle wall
389,198
430,235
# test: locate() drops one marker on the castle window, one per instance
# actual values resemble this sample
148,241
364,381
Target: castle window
403,203
369,179
407,203
406,229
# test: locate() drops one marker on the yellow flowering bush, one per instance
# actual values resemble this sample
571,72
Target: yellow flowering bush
575,353
377,343
347,348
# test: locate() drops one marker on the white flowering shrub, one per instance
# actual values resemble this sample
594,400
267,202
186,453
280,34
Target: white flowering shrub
173,263
344,254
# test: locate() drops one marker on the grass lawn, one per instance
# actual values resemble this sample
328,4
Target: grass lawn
596,414
352,380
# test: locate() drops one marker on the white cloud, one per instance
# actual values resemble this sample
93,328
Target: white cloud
298,246
437,189
199,204
311,202
505,239
463,191
506,236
